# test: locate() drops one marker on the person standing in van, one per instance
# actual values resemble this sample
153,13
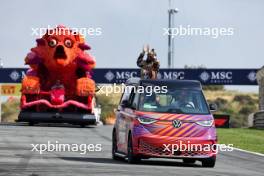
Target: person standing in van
149,66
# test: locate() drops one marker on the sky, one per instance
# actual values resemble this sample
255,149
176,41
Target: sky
126,25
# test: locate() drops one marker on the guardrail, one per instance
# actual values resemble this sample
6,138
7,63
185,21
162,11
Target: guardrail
258,121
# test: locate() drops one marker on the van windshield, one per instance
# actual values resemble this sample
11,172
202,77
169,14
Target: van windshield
180,101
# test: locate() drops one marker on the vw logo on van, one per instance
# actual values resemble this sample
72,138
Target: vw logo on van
176,123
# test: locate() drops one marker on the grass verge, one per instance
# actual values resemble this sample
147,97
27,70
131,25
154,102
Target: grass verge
247,139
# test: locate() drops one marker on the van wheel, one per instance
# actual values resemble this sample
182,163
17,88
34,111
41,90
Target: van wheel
131,158
209,162
114,146
189,160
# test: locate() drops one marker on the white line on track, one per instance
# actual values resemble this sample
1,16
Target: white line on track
246,151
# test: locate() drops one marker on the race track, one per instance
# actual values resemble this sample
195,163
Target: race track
16,157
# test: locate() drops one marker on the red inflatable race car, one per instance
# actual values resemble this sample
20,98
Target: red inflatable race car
58,86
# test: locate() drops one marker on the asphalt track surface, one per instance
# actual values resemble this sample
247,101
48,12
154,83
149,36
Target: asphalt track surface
16,157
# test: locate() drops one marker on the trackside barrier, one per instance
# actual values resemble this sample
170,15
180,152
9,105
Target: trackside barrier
120,75
258,121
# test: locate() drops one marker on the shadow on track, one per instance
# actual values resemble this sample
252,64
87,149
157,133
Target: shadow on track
175,163
62,125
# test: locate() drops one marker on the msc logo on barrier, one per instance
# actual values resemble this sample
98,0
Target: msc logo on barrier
252,76
120,76
109,76
14,75
217,77
171,75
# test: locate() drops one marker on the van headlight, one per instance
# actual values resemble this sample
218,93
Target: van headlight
146,121
205,123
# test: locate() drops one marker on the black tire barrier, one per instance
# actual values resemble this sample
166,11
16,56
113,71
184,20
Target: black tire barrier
258,121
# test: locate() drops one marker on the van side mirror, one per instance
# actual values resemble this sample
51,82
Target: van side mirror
213,107
124,104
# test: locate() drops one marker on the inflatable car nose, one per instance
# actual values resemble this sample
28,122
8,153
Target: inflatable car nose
57,94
